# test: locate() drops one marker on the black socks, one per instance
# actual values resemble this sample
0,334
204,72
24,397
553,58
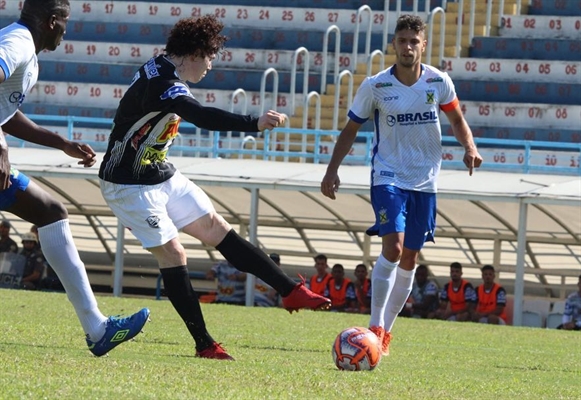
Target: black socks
248,258
178,288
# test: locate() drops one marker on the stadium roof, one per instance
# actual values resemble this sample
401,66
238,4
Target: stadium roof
478,217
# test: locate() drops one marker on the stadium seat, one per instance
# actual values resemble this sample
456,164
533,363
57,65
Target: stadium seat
552,7
532,319
529,48
558,307
554,320
536,311
555,317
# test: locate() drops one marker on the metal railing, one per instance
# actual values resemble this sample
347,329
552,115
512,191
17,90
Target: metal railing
332,28
305,62
265,74
499,154
431,16
354,57
338,81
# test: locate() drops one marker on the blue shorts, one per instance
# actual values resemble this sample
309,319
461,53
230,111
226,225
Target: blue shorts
18,181
408,211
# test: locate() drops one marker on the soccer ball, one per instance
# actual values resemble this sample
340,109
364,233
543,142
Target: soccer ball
356,349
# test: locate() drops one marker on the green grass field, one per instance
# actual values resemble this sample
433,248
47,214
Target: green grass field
278,356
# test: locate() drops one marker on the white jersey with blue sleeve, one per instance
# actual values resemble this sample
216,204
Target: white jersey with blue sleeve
407,148
19,63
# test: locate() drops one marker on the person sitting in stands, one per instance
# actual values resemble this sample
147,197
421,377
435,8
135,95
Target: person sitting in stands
341,291
490,299
231,283
34,267
318,282
457,297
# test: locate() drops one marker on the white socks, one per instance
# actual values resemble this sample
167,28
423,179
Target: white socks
382,282
61,253
399,295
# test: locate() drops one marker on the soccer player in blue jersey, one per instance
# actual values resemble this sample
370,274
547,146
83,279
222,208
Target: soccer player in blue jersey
404,101
42,26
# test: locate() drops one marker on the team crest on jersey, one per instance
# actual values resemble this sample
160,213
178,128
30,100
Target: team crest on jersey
430,96
383,84
153,221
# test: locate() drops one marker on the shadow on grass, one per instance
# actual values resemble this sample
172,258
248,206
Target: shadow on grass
295,350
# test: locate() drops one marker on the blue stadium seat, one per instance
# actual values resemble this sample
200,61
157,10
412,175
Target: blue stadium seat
407,5
530,48
553,7
64,110
518,92
515,133
221,79
250,38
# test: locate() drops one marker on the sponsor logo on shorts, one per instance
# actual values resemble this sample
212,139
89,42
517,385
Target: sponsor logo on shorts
153,221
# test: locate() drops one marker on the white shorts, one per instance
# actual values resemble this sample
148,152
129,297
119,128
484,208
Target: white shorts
155,213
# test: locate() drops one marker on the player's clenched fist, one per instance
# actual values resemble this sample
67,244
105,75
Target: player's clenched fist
270,120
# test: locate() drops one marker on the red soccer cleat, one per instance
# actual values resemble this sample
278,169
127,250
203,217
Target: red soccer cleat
216,352
302,297
384,338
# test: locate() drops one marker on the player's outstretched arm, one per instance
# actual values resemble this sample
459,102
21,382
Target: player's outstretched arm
22,127
463,134
330,183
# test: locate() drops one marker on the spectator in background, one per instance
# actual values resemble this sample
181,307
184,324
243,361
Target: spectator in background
50,281
6,242
362,285
490,299
341,291
318,282
34,267
34,229
231,283
572,313
457,297
423,301
264,294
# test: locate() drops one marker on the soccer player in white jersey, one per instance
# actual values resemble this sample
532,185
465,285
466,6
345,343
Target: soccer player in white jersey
404,102
42,26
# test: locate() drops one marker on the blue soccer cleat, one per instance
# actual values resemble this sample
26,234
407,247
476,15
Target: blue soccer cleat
119,330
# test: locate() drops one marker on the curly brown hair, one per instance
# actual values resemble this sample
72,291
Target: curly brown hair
410,22
196,36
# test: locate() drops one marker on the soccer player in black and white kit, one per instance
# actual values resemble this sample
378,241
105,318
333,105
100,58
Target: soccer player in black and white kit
155,201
